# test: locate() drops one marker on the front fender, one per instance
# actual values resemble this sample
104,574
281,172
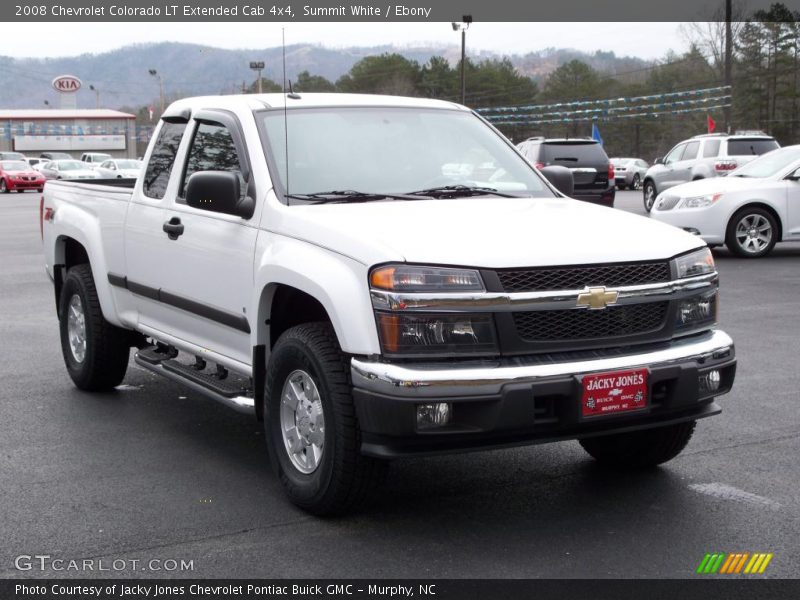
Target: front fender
338,282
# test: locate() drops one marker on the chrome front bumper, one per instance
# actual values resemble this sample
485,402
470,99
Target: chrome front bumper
480,378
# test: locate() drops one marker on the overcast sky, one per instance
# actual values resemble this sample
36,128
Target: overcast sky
645,40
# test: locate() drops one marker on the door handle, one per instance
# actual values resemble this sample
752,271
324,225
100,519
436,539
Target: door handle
173,228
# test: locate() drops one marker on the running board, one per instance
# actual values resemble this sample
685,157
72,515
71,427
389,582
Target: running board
182,374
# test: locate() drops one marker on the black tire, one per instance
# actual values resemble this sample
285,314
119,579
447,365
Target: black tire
343,479
3,186
107,347
637,181
747,247
649,194
640,449
621,186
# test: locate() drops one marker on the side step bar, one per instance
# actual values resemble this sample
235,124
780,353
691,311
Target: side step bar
182,374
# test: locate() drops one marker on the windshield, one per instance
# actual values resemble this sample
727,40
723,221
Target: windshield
15,165
769,164
128,164
12,155
393,151
69,165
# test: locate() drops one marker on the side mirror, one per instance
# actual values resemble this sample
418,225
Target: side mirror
560,177
659,161
219,191
794,175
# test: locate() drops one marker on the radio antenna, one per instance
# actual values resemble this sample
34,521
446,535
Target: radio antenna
285,118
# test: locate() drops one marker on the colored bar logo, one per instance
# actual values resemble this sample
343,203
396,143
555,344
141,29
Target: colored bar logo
735,563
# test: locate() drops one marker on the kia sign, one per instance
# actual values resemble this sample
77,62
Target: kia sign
66,83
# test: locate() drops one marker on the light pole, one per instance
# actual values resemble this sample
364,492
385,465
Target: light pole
462,27
155,74
257,66
96,95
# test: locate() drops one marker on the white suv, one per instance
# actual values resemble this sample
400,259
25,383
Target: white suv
701,157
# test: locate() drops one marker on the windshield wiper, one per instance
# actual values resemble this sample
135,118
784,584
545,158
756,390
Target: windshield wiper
460,191
348,196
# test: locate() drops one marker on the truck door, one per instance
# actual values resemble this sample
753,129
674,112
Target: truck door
204,264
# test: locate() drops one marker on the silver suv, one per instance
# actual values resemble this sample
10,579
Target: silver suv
703,156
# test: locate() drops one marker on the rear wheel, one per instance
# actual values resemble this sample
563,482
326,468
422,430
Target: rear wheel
95,351
313,435
752,233
640,449
636,182
649,195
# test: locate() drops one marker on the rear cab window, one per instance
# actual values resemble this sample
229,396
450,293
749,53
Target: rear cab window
159,168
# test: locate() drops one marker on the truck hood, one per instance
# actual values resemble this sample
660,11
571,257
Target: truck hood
484,232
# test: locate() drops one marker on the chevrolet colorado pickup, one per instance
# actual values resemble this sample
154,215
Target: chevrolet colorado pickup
380,277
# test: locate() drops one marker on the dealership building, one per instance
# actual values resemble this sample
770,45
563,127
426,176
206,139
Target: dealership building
68,130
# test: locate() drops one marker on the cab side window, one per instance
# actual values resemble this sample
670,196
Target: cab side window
710,148
156,177
674,154
212,149
690,153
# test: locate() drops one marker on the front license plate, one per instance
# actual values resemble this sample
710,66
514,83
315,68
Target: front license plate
614,392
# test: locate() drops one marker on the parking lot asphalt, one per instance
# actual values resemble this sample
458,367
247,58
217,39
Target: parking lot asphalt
152,471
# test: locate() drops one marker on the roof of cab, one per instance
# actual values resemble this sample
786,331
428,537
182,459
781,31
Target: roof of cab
304,100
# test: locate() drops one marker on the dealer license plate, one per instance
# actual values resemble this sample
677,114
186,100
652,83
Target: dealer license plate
614,392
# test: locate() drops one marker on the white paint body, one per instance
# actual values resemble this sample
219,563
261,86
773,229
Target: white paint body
779,192
326,251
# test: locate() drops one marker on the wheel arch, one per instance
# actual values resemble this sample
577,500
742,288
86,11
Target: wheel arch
757,204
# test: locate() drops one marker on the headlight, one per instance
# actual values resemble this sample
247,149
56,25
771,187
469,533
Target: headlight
699,201
411,278
425,334
697,311
699,262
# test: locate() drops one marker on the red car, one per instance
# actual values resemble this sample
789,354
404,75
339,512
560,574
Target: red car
17,175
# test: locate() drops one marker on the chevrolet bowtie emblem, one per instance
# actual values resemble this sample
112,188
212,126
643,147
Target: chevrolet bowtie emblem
598,297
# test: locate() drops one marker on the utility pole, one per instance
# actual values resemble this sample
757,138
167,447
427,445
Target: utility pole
728,58
462,27
155,74
258,66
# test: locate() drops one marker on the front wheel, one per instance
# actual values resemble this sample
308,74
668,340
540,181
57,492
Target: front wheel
312,431
3,186
649,195
752,233
95,351
640,449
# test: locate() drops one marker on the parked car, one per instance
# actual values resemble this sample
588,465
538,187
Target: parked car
17,176
629,172
750,210
56,156
119,168
34,162
592,171
43,162
701,157
12,156
67,169
334,269
93,159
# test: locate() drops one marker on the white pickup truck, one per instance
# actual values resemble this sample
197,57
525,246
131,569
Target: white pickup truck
379,277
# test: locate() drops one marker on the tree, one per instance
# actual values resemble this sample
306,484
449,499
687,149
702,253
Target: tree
385,74
306,82
574,80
